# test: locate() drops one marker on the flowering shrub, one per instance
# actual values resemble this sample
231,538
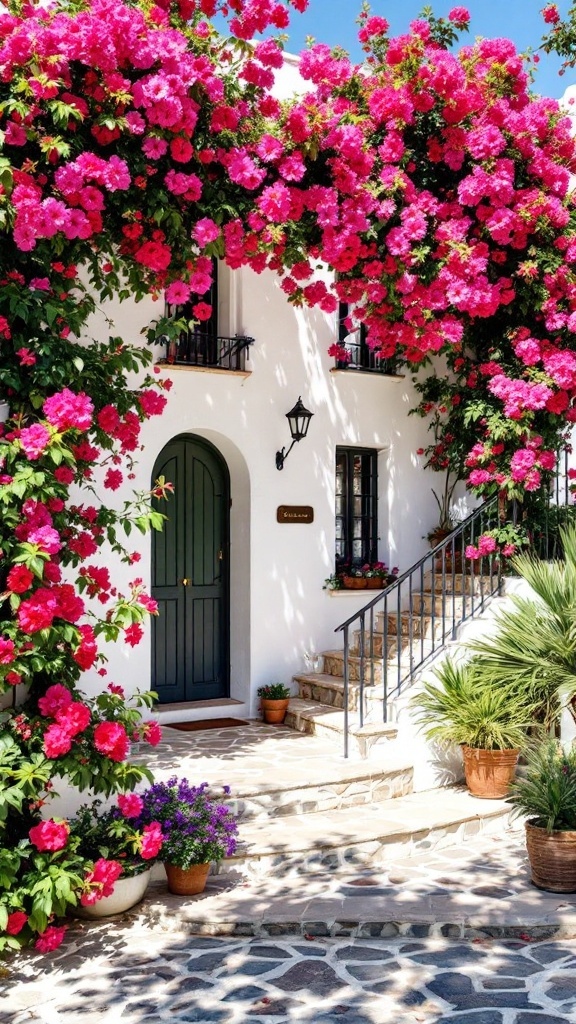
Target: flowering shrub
98,198
195,828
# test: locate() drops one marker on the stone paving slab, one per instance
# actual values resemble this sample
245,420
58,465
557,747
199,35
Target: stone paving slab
111,976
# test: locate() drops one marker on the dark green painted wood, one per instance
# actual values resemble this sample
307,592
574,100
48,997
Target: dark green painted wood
190,640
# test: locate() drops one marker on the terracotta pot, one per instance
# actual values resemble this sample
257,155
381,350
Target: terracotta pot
127,893
552,857
375,582
438,535
187,881
354,582
489,772
274,711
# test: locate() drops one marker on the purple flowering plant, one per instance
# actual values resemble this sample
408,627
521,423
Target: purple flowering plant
196,828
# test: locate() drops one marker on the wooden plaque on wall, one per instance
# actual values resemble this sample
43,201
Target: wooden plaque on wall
295,514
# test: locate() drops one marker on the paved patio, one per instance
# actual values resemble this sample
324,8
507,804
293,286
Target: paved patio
453,934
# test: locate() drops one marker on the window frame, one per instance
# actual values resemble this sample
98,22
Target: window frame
344,551
366,359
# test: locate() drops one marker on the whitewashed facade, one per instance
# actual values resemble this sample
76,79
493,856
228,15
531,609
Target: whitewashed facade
273,573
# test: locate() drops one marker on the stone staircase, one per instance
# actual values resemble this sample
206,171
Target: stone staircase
399,642
306,810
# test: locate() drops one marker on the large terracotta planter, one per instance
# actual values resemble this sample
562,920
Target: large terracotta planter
354,582
127,893
375,583
489,772
274,711
552,857
187,881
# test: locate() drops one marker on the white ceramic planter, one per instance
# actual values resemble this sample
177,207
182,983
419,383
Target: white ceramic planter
4,411
127,893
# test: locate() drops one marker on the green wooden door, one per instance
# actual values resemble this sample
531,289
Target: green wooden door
190,646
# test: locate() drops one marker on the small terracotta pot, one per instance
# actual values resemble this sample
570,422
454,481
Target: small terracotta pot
274,711
187,881
489,772
552,857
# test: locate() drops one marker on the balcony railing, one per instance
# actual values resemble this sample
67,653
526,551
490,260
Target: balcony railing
362,357
203,348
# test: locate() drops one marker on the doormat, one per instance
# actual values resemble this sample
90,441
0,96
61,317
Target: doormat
212,723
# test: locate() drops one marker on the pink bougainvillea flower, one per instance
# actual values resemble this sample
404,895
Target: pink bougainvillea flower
26,356
151,841
111,739
16,921
50,835
178,293
66,410
56,741
7,651
113,479
56,698
130,804
151,733
34,440
133,634
50,939
100,881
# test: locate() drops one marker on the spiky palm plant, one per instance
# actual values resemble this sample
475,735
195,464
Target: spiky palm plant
458,709
533,650
546,793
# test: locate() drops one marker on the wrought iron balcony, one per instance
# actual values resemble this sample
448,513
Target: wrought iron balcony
204,348
362,357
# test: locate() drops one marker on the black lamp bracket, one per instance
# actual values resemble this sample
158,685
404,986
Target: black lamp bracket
282,455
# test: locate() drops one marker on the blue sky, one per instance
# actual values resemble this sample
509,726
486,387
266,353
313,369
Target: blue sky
333,22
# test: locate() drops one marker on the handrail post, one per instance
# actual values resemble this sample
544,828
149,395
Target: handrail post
346,689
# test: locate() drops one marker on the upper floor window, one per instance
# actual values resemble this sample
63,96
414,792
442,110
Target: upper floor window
362,357
356,506
199,342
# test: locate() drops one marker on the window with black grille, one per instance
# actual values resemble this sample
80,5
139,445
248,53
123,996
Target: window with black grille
197,343
356,506
362,357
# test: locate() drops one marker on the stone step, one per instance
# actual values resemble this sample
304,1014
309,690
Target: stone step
380,834
406,624
321,720
329,690
374,669
459,583
449,606
387,646
352,784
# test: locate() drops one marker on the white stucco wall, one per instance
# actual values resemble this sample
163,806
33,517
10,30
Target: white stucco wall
279,609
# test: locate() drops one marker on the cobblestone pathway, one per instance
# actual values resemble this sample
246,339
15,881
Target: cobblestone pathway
119,975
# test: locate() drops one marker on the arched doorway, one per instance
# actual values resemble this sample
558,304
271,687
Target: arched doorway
190,574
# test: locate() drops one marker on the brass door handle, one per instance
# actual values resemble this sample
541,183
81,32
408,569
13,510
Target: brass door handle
185,582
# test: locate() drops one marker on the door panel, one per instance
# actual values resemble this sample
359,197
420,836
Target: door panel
190,658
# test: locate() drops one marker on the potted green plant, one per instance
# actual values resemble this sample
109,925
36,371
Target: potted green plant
274,700
114,837
546,795
196,830
488,722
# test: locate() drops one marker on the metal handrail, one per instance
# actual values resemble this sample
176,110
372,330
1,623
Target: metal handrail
407,596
